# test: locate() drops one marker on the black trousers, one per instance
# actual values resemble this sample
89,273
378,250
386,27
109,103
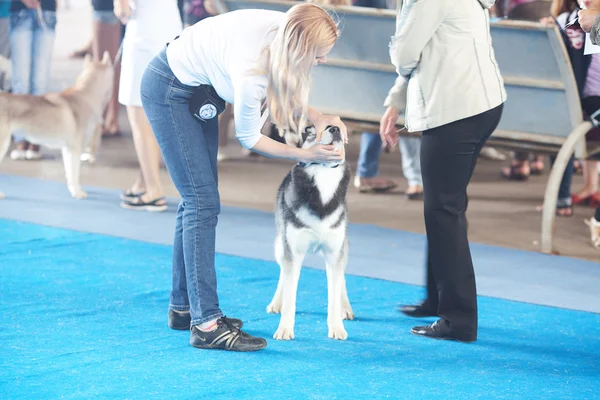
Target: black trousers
448,157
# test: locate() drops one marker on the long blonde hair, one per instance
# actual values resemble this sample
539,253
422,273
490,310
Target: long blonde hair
289,61
331,2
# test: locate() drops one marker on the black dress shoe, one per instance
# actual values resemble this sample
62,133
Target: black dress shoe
181,320
226,337
440,330
419,311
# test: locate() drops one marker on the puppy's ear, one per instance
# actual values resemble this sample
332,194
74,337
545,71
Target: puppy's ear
292,139
309,131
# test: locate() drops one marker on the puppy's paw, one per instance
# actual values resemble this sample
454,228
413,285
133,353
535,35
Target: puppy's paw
78,193
89,157
1,195
338,332
274,308
284,333
347,313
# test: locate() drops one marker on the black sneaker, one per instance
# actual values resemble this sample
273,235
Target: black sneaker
226,337
181,321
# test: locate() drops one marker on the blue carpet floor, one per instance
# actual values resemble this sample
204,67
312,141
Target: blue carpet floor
375,252
84,316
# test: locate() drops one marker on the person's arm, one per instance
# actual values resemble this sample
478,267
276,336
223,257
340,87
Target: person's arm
31,4
246,111
122,10
589,21
417,22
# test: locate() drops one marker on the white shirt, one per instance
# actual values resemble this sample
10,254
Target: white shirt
222,51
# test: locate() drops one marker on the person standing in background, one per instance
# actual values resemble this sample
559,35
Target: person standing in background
150,24
589,20
32,32
106,36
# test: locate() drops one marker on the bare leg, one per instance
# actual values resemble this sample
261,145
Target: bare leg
148,153
590,179
107,37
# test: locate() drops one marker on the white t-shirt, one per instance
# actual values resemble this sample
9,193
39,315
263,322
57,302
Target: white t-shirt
222,51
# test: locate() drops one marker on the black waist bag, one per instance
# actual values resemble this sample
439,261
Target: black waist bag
205,104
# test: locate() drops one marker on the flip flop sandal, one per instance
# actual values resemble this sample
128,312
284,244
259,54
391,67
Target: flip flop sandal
564,211
139,204
129,195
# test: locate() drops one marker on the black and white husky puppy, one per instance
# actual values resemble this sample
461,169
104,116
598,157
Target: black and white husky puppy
311,216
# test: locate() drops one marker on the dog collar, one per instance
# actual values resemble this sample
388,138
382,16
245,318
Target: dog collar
304,165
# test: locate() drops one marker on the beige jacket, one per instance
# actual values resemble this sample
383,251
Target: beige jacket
447,71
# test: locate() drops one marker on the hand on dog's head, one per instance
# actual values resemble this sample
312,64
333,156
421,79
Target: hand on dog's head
330,136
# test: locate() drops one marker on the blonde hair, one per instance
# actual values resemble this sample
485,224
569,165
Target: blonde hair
331,2
289,61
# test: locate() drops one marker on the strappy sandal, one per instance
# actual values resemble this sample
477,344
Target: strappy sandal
138,204
594,231
593,200
130,195
564,211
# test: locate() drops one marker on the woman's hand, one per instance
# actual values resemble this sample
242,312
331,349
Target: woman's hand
387,127
31,3
210,7
586,18
321,153
122,10
547,21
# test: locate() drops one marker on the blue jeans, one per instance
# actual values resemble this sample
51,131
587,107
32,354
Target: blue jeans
410,148
370,150
31,46
564,190
189,148
106,17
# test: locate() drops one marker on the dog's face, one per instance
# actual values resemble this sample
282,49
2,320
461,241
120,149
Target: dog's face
330,136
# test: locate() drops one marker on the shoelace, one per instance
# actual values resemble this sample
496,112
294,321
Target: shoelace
232,336
225,321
